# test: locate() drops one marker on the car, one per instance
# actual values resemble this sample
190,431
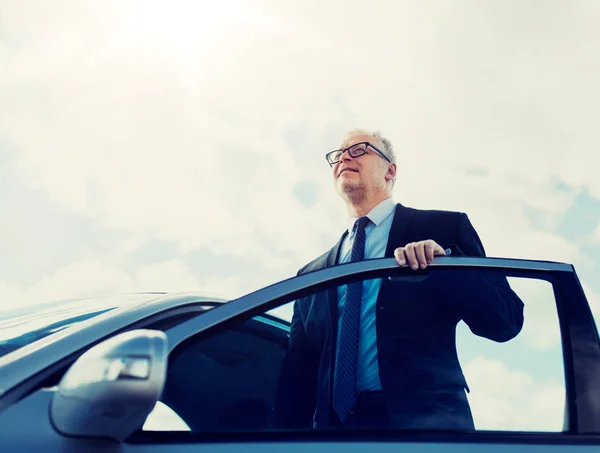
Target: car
187,371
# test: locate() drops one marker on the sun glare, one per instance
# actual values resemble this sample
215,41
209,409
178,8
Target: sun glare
185,26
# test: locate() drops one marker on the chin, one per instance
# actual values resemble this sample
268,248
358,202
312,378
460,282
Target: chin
350,188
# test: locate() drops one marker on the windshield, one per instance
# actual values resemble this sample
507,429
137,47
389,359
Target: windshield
26,325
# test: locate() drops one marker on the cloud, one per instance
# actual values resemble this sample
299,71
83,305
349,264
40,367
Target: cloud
173,275
497,207
595,239
81,279
188,169
132,117
541,329
93,278
593,300
506,399
128,246
159,140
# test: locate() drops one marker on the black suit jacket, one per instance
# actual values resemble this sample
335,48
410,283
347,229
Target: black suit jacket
420,374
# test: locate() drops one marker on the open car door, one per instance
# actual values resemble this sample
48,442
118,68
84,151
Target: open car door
530,369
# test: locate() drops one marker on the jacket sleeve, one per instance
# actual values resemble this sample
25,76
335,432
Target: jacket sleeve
484,300
295,400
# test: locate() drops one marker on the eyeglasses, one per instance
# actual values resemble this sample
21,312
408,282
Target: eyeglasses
355,150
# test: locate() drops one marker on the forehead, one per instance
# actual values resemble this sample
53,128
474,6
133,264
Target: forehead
352,139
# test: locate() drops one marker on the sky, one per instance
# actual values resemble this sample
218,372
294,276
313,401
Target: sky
153,145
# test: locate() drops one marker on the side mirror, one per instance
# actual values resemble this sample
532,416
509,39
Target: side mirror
110,390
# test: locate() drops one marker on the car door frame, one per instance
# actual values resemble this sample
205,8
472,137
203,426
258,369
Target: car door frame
579,335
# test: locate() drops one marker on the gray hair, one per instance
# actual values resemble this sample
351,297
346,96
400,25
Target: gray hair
385,145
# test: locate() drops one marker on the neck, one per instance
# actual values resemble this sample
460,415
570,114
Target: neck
360,208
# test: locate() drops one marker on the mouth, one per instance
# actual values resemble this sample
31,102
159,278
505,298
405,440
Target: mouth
347,170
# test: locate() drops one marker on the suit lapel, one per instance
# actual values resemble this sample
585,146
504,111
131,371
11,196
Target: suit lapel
332,259
402,218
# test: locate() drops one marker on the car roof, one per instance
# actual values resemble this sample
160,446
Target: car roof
100,302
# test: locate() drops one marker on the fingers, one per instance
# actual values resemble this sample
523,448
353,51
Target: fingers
418,254
429,251
421,253
407,256
411,255
399,255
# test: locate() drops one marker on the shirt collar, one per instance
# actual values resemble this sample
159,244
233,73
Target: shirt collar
377,215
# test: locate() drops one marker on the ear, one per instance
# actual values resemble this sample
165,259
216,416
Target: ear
391,172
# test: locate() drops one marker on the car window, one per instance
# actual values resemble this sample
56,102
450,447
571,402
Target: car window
445,349
163,418
518,385
228,380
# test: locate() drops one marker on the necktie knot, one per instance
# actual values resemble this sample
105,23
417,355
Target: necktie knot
360,237
361,223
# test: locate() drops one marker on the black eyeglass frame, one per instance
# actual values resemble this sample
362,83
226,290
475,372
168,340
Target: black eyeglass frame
331,164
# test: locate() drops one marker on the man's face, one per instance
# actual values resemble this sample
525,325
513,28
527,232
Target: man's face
364,174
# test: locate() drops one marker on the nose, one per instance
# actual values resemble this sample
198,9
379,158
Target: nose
345,156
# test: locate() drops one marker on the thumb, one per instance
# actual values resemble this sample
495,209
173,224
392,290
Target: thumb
439,250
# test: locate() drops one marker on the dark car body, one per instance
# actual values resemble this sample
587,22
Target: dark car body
209,336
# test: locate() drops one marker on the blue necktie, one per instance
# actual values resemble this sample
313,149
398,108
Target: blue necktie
344,386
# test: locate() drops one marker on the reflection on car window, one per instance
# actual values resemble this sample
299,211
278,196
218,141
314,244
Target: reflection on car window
163,418
25,325
443,350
